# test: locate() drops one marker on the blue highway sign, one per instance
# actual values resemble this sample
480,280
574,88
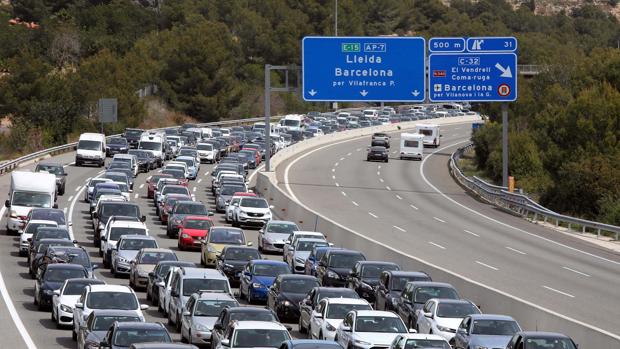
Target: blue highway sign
372,69
446,45
492,44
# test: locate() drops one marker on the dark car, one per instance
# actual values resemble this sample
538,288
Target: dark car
181,210
310,344
377,153
336,265
158,274
287,292
50,277
162,346
415,295
69,254
232,260
132,135
307,305
39,249
48,233
124,334
228,315
531,339
113,208
365,277
391,285
57,170
145,163
315,256
116,145
98,323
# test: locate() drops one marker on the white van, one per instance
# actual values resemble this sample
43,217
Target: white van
430,132
371,113
91,149
28,190
293,122
155,144
130,158
411,146
207,133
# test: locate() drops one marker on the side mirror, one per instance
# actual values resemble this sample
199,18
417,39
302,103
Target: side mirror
95,215
217,326
174,293
250,243
186,313
271,207
55,205
75,241
7,203
56,292
317,315
225,342
346,328
428,315
79,305
143,219
104,344
95,266
412,330
29,239
160,284
144,306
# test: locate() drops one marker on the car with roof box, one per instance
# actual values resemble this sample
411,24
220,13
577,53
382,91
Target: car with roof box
126,250
200,313
391,285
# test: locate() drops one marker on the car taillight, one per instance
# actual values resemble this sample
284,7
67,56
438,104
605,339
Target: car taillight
23,218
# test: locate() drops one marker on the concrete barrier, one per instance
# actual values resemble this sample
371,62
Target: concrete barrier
529,315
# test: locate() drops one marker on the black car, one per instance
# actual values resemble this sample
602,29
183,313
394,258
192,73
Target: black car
307,305
336,265
542,340
365,277
181,210
145,162
158,274
391,285
98,323
287,292
415,295
228,315
50,277
69,254
124,334
132,135
39,249
233,259
377,153
116,145
48,233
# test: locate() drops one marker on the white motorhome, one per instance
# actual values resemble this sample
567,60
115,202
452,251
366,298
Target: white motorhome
371,113
207,133
431,134
155,144
411,146
293,122
91,149
28,190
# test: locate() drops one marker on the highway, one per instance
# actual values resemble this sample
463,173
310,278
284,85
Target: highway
416,207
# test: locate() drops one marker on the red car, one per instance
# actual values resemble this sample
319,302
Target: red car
152,183
192,230
168,204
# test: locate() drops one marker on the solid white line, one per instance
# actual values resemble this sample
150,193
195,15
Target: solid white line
439,219
558,291
341,159
515,250
372,214
78,188
354,203
381,180
199,180
87,179
437,245
348,154
141,186
493,219
576,271
388,188
398,197
253,174
343,193
413,207
70,198
136,196
399,228
472,233
486,265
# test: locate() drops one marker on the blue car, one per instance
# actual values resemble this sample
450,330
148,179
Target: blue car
313,259
258,275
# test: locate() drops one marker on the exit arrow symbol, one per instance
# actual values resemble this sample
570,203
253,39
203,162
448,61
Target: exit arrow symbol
364,93
312,92
506,73
415,93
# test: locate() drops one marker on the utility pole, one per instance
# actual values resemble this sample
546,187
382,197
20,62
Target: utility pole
336,34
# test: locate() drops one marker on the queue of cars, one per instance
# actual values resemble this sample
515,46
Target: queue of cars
336,296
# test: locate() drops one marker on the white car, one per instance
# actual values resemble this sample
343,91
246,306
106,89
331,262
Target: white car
255,334
228,215
299,235
91,186
178,165
206,152
330,312
443,316
64,299
31,227
124,189
251,211
416,340
113,231
164,291
364,329
298,253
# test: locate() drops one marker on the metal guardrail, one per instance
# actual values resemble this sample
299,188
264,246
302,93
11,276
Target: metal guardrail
529,69
521,204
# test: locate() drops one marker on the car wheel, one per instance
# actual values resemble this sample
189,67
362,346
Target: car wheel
178,319
170,323
180,247
53,317
74,335
301,327
249,295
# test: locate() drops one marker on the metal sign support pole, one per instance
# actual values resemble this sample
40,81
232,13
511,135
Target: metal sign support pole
505,144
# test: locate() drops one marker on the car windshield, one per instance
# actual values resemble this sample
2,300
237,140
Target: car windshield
112,300
95,181
271,270
121,141
42,247
191,286
120,210
169,189
374,271
426,343
384,324
309,245
241,254
299,285
230,190
263,315
495,327
156,257
116,177
204,146
62,274
75,288
116,233
133,132
197,209
549,343
125,338
399,282
282,228
156,146
254,203
52,234
31,199
103,322
456,310
337,293
212,308
187,152
73,256
188,162
137,244
344,260
177,174
289,122
225,236
89,145
102,192
201,224
32,227
251,338
339,311
54,169
425,293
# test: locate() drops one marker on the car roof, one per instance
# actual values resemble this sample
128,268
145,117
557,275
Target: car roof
430,283
215,296
156,249
375,313
242,309
177,263
140,325
452,301
491,317
343,251
162,346
195,272
64,266
119,312
422,336
296,277
542,334
263,325
127,224
316,342
86,280
343,300
376,263
239,247
311,240
42,221
267,262
137,237
198,218
110,288
406,273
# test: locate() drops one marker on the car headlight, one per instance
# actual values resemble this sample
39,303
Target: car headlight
257,285
444,329
66,308
360,342
331,274
201,327
329,327
300,260
211,249
185,236
123,260
243,213
287,303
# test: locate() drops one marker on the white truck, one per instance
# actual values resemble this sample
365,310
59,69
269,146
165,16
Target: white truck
154,143
28,190
411,146
91,149
431,134
292,122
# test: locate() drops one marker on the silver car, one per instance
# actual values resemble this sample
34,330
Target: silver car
485,331
126,250
274,235
200,313
298,253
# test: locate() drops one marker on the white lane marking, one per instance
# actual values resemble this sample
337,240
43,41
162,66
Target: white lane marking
471,233
398,197
136,196
399,228
358,149
333,170
70,198
437,245
558,291
378,167
333,177
354,203
388,188
381,180
207,173
141,186
341,159
6,296
576,271
486,265
395,151
373,215
515,250
337,184
439,220
495,220
343,193
87,179
413,207
78,188
194,189
378,173
336,164
253,174
348,154
199,180
418,259
64,210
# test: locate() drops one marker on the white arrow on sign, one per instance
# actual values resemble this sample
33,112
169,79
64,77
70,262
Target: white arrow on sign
506,73
312,92
364,93
415,93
